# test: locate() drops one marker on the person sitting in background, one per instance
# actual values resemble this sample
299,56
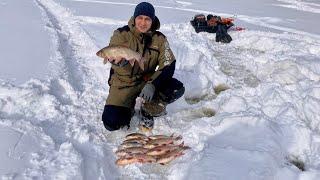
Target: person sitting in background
219,26
213,24
214,21
199,23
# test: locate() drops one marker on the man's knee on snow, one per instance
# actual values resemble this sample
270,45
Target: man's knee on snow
115,117
173,90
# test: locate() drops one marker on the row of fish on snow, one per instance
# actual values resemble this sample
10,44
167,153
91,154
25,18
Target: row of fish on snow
139,148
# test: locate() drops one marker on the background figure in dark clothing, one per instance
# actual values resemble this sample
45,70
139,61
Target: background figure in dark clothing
216,25
213,24
199,23
214,21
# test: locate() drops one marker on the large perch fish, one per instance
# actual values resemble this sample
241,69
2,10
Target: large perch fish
136,136
137,158
164,140
117,53
166,158
164,149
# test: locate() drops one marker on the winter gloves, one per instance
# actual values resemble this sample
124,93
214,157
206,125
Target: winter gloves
148,92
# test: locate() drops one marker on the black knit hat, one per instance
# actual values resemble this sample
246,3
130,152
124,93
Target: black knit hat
209,16
144,8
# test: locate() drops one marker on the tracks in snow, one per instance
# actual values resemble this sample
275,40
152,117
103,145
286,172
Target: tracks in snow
64,110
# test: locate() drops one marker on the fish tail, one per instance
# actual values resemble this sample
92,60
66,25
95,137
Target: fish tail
181,145
99,53
105,60
142,59
186,147
131,61
178,137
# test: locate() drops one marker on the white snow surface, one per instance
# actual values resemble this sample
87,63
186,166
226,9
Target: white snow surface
53,89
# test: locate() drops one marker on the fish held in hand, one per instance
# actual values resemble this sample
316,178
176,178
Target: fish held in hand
118,53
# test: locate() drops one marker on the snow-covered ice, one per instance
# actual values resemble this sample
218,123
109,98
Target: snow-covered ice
265,126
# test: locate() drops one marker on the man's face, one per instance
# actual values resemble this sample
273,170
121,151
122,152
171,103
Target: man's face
143,23
212,22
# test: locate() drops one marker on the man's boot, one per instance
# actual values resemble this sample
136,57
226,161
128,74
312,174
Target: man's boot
146,122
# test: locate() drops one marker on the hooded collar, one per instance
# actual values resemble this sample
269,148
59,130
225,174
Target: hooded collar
154,26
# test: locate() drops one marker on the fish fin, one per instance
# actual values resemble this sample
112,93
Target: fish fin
141,66
131,61
143,59
141,63
118,59
181,145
